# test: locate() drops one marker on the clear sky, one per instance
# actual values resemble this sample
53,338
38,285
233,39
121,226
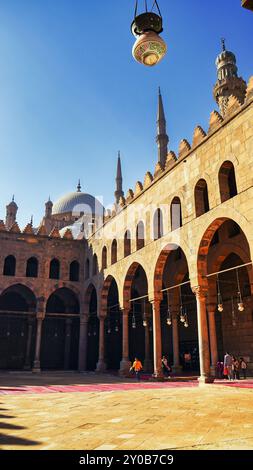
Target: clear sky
71,94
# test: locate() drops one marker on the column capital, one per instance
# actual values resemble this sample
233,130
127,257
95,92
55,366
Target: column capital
211,308
84,319
102,317
40,315
200,292
156,302
125,311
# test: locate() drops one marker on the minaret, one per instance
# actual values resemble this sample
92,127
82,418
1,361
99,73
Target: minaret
228,82
161,138
119,192
79,187
11,214
48,208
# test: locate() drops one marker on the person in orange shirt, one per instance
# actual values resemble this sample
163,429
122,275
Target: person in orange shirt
137,367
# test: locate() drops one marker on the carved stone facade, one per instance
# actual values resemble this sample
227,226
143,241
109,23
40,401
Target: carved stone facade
167,273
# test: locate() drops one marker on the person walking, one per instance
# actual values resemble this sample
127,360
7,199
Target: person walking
235,368
137,367
243,367
228,361
166,367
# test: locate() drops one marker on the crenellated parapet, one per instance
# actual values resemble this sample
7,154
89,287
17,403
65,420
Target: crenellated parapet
15,228
2,226
158,170
148,179
129,196
55,233
68,235
29,229
171,160
184,149
198,136
138,188
249,91
215,121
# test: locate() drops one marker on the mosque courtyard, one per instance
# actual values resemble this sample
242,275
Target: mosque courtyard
91,412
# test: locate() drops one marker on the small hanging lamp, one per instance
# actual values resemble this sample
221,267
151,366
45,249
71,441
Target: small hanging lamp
169,316
239,300
220,304
149,48
186,322
133,319
145,322
181,313
233,312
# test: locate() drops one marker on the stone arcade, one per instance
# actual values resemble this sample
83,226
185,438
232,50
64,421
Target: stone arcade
89,289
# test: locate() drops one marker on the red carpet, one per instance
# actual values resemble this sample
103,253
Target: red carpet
238,384
93,387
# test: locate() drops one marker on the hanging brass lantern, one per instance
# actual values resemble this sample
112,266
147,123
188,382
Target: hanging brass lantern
149,48
248,4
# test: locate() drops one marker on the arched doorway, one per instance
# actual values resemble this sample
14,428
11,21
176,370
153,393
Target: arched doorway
140,316
178,313
60,331
93,328
223,248
113,325
17,327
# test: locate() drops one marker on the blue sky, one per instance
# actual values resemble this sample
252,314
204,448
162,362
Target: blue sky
71,94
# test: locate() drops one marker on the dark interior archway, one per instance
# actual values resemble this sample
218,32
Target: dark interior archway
60,331
113,327
93,329
17,327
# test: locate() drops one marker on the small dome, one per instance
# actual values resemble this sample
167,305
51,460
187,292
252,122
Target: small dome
226,56
78,203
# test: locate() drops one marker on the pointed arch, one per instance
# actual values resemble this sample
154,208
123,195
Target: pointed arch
227,181
158,224
95,265
140,236
114,253
176,214
54,269
127,243
9,266
201,198
32,267
74,271
104,258
87,269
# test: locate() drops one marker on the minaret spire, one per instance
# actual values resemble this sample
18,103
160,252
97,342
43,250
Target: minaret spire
79,187
119,191
228,82
161,138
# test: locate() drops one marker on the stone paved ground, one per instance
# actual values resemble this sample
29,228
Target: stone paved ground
187,417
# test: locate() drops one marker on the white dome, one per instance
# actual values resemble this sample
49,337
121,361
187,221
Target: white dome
78,203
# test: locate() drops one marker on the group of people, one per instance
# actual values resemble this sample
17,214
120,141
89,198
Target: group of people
137,368
232,368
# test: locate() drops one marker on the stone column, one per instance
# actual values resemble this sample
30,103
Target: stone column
101,366
36,364
157,339
204,353
177,368
211,308
68,324
125,363
83,343
147,362
27,365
